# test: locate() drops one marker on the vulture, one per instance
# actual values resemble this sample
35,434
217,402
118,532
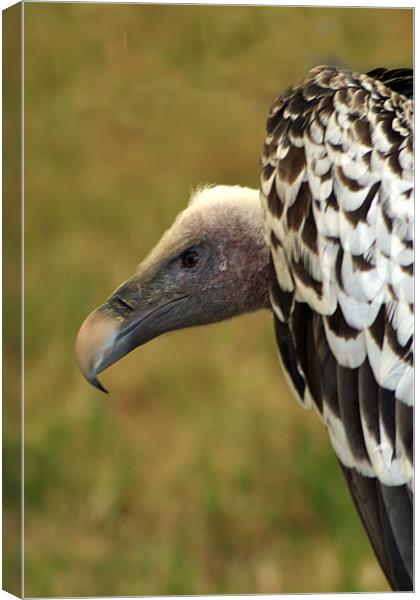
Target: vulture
325,245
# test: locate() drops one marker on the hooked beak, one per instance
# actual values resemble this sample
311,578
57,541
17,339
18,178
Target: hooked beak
118,326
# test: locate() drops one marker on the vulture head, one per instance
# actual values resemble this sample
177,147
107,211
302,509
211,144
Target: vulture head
199,272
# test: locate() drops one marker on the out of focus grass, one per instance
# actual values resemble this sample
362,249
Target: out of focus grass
199,473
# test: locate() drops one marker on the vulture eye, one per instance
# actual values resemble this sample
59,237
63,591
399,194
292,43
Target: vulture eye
189,259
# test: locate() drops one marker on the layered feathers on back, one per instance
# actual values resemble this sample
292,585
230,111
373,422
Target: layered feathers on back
337,196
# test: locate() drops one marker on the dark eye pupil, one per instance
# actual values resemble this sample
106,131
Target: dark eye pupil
190,259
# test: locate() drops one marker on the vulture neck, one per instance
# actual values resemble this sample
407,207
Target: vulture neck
233,217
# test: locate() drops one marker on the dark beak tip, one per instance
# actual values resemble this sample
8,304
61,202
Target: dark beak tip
102,389
96,383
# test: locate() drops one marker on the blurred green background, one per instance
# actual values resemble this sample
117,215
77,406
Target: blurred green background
199,473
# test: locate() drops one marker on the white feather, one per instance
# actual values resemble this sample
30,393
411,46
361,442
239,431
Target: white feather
349,353
405,387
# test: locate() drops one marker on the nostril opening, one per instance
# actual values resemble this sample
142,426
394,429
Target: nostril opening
118,302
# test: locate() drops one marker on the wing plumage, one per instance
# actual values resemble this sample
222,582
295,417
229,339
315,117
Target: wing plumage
337,196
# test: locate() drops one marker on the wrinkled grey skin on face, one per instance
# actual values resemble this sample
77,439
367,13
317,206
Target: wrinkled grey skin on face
212,264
